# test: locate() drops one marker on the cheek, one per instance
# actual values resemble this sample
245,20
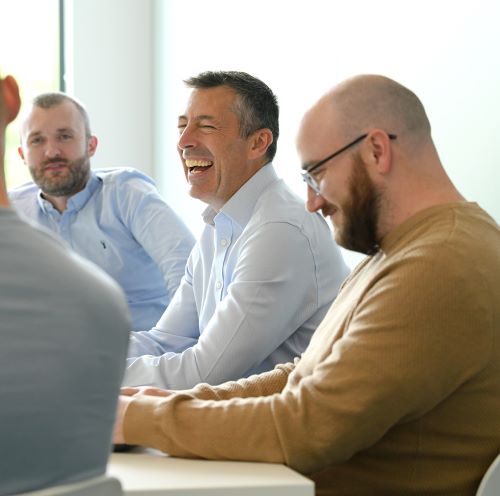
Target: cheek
77,150
336,189
32,158
330,192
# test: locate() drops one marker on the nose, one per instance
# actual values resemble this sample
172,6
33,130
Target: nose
52,149
314,202
186,139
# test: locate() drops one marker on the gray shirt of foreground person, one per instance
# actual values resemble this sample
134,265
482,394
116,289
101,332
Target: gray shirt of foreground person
64,330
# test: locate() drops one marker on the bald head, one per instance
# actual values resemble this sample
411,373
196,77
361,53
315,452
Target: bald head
370,101
384,131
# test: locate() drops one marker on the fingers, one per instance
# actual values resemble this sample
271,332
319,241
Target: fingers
144,390
12,100
156,392
121,407
129,391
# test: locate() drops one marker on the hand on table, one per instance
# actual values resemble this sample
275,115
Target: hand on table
126,397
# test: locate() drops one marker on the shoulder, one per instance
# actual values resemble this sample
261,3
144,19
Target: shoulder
126,188
27,191
450,255
123,176
460,236
279,204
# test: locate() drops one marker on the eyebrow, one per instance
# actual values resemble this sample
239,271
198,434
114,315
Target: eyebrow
198,117
59,130
308,165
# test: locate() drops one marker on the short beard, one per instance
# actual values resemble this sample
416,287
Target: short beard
78,172
361,213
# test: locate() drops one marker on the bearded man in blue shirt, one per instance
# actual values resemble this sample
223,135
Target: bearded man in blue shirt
114,217
264,272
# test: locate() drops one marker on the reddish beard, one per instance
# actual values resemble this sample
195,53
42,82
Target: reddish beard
69,181
361,212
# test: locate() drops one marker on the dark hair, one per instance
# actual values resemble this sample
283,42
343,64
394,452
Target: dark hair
48,100
257,106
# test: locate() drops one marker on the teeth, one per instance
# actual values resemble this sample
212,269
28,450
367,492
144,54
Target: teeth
198,163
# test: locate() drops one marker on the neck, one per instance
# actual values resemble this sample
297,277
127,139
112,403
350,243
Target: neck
418,193
58,202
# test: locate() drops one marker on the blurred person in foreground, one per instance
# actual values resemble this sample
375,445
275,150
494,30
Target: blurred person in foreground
64,330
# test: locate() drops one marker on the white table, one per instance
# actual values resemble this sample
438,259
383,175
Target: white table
151,473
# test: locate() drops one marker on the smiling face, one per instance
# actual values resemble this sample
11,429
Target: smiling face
316,140
56,149
217,160
348,195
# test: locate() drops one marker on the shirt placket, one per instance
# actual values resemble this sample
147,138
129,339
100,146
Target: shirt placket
223,236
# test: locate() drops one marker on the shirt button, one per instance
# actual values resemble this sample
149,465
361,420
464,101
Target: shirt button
218,285
223,242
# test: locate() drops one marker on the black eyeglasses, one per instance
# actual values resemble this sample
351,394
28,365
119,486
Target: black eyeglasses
309,179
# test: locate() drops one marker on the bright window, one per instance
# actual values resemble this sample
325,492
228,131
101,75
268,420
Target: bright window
29,50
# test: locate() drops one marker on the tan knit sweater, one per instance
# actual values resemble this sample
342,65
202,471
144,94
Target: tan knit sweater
398,392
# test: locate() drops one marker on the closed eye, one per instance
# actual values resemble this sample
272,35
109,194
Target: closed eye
317,174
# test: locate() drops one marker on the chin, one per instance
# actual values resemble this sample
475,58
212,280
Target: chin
195,193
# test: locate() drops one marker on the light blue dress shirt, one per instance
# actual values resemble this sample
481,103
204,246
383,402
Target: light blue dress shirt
120,222
257,284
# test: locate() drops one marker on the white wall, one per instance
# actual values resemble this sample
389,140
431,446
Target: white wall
109,52
140,50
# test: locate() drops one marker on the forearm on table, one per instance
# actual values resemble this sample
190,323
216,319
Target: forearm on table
263,384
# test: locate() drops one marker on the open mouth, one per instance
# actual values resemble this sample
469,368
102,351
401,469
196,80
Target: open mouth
197,166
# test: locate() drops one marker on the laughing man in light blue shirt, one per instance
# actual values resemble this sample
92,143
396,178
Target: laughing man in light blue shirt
114,217
264,271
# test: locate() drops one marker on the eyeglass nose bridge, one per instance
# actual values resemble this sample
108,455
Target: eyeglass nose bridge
311,182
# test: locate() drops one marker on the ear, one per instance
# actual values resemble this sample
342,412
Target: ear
259,142
11,97
21,152
377,151
92,145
